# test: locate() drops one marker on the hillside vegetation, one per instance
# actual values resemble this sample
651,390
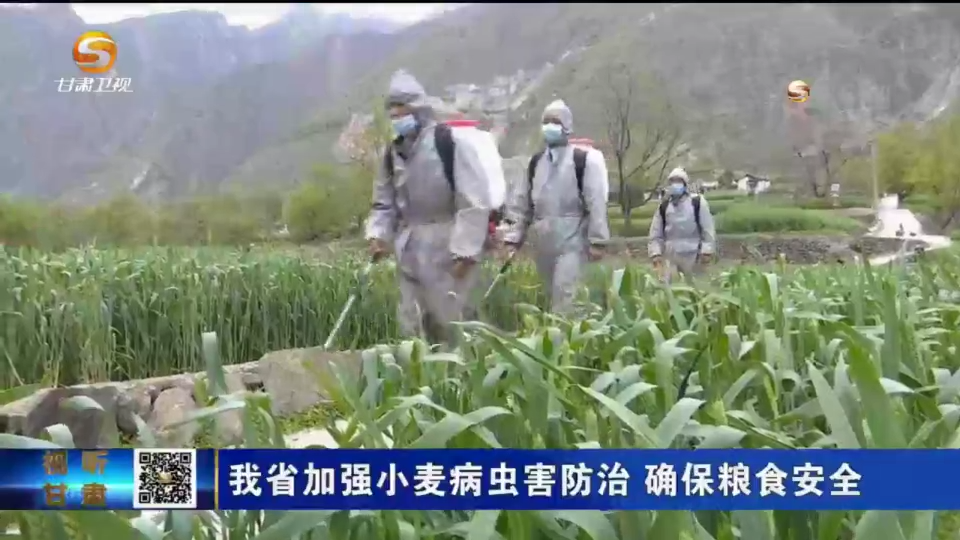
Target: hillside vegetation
264,107
332,203
898,66
205,95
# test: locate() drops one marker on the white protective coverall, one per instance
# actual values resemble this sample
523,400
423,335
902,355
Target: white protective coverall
428,223
561,223
681,242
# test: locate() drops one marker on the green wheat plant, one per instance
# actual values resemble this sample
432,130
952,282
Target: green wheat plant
821,357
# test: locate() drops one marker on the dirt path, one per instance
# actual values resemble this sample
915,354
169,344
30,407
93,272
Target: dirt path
896,222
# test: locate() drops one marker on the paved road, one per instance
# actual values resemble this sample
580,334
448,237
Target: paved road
891,218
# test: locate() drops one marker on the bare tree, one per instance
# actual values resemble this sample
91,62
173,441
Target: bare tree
644,133
365,145
820,147
833,155
368,140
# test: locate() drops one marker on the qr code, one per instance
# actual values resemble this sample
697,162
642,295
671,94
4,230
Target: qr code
164,479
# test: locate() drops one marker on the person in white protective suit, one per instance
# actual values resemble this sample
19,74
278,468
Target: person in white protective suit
431,205
562,205
682,231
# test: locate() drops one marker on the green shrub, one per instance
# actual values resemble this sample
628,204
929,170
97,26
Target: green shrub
20,222
741,217
827,203
725,195
650,209
923,204
127,221
922,209
638,227
760,218
719,207
208,222
332,204
644,212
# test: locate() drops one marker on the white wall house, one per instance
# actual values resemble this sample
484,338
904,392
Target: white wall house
753,184
708,186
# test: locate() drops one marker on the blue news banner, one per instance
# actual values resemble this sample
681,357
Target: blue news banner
479,479
118,479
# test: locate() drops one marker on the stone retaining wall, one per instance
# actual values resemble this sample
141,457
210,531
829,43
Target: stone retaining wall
288,376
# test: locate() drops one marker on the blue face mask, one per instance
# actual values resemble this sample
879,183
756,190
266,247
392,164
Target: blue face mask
676,190
552,133
404,125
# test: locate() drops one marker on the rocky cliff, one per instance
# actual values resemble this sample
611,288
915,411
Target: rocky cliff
722,68
225,105
205,95
726,67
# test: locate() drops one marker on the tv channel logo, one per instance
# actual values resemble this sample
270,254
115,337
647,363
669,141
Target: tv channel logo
798,91
95,52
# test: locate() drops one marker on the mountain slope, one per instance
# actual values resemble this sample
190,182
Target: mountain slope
37,122
723,66
230,106
197,142
733,62
473,44
88,144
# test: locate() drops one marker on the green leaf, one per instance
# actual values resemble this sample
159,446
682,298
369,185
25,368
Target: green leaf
923,526
833,410
592,522
632,420
104,525
877,406
678,417
147,528
668,524
213,365
754,524
293,524
830,525
454,424
483,525
878,525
